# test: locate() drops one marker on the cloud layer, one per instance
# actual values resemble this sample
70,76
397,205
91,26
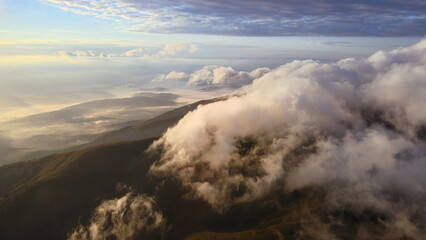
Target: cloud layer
354,128
260,18
170,49
77,124
214,75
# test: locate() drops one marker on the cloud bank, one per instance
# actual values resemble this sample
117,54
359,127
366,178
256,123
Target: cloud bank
170,49
214,75
260,18
353,128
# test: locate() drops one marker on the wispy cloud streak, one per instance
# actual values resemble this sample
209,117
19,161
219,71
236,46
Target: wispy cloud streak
260,18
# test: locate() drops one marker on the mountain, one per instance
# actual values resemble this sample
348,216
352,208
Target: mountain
53,196
18,172
36,135
82,113
150,128
49,196
128,130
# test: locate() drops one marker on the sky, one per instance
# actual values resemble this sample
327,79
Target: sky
58,53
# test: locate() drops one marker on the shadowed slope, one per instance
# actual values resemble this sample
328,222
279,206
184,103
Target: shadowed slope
54,192
57,192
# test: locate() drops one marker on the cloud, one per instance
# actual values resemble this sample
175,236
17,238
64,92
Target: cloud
260,18
352,129
171,76
365,171
133,52
214,75
174,48
176,75
137,52
170,49
224,75
78,11
122,218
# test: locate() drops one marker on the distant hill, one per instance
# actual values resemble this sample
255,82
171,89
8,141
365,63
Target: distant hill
37,135
141,129
130,130
150,128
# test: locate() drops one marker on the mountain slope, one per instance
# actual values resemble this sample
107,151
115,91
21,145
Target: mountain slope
60,189
37,135
69,186
48,198
150,128
127,131
20,174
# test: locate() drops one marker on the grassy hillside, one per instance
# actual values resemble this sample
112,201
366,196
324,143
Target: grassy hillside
49,196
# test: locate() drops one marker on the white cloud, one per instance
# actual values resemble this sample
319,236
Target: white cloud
169,50
171,76
349,127
214,75
158,78
133,52
137,52
176,75
224,75
175,48
78,11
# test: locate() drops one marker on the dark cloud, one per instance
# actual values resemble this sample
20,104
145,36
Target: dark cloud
266,18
